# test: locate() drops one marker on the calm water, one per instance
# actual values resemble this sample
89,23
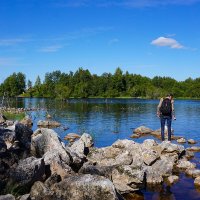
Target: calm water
110,119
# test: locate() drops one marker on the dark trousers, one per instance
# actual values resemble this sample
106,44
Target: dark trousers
163,119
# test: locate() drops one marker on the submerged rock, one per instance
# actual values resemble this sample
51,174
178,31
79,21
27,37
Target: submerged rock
48,124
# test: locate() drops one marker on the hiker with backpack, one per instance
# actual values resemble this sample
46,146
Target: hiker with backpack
165,111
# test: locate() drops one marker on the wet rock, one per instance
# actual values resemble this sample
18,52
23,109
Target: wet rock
172,179
135,136
71,137
48,124
181,140
197,181
184,164
40,192
90,168
189,154
168,147
142,130
193,148
156,172
127,179
193,172
191,141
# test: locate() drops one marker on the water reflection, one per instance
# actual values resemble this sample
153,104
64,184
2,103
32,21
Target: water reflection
110,119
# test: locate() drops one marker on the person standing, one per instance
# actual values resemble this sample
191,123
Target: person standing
165,111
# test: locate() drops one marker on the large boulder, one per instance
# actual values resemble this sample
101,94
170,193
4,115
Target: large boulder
44,140
82,187
27,172
81,147
127,179
58,163
109,156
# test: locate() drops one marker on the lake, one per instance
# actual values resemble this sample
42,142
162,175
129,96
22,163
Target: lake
108,120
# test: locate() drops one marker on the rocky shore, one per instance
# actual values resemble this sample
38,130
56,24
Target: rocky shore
38,165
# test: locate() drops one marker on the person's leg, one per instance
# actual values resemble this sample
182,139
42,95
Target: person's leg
162,123
169,122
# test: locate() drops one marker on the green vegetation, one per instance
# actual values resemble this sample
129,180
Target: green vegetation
83,84
14,116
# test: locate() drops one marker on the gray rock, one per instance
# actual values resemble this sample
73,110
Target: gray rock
27,121
168,147
25,197
82,187
109,156
193,172
3,146
142,130
58,162
181,140
197,181
7,197
28,171
172,179
81,146
184,164
23,135
194,148
48,124
156,172
191,141
127,179
44,140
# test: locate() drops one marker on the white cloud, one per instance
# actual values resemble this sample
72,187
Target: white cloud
169,42
113,41
50,49
11,42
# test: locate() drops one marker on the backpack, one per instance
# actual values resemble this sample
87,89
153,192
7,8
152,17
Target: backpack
166,107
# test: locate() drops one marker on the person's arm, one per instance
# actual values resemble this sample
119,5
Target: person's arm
173,110
158,107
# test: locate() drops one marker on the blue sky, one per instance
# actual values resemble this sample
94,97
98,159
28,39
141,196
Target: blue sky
147,37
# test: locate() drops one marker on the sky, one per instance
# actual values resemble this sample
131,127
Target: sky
146,37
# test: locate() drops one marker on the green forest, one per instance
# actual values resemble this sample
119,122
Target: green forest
83,84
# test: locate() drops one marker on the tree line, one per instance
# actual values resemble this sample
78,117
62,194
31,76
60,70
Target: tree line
83,84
